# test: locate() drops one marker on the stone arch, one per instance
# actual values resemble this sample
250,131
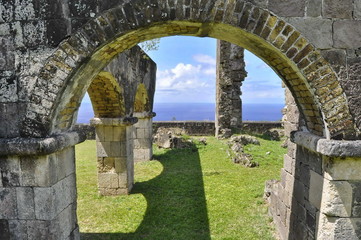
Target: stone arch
141,100
106,96
312,81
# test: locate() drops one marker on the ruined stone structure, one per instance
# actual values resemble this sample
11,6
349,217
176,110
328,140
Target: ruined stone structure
122,98
51,51
230,74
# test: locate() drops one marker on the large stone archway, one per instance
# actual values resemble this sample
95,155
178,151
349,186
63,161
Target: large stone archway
308,75
37,153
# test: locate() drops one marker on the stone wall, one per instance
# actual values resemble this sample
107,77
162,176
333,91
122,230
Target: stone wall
230,75
194,128
280,193
259,127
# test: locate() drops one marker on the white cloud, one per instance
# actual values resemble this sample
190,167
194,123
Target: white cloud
187,82
205,59
210,71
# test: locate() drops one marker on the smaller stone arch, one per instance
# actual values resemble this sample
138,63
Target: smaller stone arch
106,96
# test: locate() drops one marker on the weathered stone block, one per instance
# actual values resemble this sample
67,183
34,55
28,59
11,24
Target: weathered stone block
117,149
8,208
357,9
356,202
335,57
45,208
25,202
316,188
8,85
34,33
331,228
100,133
18,229
64,193
119,133
83,8
65,162
314,8
38,171
108,133
289,164
108,180
38,230
299,191
4,229
336,198
342,169
103,149
317,31
120,164
287,8
140,133
346,34
337,9
63,229
10,172
56,31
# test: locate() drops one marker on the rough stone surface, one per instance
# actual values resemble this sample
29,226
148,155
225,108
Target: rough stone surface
338,9
346,33
314,8
171,138
244,139
230,74
336,199
115,156
287,8
318,31
236,152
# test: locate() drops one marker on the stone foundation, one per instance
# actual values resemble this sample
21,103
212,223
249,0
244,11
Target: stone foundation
114,155
143,135
38,191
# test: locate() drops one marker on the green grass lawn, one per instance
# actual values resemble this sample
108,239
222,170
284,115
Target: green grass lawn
182,194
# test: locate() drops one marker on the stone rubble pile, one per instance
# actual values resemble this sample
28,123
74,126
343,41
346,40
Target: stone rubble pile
171,138
237,153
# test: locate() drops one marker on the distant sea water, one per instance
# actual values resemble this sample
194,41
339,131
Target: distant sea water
198,112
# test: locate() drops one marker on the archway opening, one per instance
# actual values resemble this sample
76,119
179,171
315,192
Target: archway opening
143,217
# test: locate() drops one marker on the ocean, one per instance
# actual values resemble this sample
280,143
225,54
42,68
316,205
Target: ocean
198,112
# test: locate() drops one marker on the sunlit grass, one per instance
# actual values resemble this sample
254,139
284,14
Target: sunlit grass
183,194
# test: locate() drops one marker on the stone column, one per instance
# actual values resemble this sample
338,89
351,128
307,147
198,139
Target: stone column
230,74
114,155
334,188
38,188
143,137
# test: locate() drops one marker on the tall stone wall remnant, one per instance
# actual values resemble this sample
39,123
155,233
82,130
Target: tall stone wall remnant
51,51
230,75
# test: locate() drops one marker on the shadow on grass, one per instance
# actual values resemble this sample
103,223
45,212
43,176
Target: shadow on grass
176,204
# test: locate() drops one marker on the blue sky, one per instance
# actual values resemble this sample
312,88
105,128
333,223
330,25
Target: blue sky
187,72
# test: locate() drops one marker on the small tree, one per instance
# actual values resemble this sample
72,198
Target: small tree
151,45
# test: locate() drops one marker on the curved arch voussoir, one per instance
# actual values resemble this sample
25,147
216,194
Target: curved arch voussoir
310,78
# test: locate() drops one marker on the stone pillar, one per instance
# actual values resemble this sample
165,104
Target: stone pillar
38,188
332,189
230,74
114,138
143,137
